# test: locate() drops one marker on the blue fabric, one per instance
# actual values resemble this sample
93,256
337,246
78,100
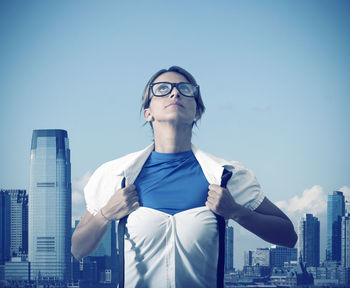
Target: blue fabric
172,182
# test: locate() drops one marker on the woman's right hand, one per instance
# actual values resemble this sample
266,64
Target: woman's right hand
122,203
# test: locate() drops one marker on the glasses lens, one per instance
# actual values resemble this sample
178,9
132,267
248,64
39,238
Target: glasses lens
161,89
187,89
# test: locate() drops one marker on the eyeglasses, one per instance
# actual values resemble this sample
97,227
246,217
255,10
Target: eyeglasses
161,89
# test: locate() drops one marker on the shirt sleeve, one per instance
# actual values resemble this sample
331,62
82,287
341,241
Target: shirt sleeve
100,188
244,187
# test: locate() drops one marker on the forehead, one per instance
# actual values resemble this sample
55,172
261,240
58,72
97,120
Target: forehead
173,77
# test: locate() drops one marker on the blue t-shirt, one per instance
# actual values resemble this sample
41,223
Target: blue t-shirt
172,182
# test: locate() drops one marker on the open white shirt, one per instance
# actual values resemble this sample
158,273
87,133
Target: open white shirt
163,250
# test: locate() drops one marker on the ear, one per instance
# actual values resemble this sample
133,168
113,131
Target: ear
148,115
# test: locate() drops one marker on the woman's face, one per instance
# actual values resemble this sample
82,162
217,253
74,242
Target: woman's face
174,107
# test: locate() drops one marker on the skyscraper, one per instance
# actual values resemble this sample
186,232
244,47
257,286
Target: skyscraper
309,240
345,241
4,226
335,210
18,222
229,249
347,206
50,203
248,258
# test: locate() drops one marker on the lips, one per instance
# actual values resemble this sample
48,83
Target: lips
174,104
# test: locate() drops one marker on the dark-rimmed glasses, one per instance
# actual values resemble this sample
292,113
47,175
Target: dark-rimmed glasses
161,89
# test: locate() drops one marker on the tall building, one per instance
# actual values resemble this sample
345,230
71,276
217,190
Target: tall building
5,229
345,241
335,210
280,254
248,258
19,222
50,203
347,206
309,240
229,249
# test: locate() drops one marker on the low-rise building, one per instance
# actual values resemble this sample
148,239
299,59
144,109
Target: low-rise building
17,269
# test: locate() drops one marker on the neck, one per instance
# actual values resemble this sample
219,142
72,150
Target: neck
171,139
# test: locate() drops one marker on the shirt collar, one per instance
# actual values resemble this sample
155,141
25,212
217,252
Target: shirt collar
131,165
212,166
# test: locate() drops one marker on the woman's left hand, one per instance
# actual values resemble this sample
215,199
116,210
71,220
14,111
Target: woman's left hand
221,201
267,221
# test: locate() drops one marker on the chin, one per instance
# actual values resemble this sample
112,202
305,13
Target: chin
176,121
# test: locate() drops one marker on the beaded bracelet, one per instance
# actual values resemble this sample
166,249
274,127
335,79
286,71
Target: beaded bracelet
108,219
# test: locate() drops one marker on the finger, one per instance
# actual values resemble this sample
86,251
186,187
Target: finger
214,187
129,188
134,206
213,193
132,200
211,197
217,190
207,205
210,204
127,191
129,194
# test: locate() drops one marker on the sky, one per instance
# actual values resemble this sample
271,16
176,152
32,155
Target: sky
274,77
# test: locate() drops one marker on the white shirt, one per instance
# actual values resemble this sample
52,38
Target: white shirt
163,250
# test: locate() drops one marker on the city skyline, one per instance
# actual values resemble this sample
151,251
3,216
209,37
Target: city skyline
273,76
280,261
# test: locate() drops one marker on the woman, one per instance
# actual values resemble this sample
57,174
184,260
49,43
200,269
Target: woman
172,192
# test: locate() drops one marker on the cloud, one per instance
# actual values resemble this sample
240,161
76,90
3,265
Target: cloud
78,201
313,200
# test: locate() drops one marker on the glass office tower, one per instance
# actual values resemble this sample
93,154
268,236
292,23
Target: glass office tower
50,202
19,222
229,249
309,240
345,241
335,210
5,226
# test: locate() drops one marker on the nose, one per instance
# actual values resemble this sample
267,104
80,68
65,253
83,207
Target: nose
175,93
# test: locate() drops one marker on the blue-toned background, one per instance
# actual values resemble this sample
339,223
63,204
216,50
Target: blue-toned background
274,76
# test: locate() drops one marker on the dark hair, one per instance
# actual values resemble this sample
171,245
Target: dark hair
146,97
